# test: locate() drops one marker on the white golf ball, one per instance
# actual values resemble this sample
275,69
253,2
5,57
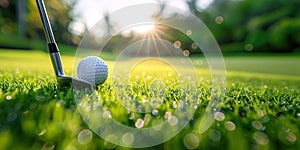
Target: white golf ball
92,69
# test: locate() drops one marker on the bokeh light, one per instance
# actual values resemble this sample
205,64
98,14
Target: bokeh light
85,136
258,125
128,138
177,44
229,125
261,138
173,120
189,32
191,141
219,19
186,53
219,116
249,47
214,135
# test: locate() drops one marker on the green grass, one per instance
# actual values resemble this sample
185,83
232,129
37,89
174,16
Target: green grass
261,109
14,41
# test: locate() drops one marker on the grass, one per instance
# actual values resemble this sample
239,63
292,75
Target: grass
13,41
261,108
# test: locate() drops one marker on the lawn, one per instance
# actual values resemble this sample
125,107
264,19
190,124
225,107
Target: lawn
260,110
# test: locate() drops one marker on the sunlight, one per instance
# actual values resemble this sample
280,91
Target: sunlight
144,28
203,4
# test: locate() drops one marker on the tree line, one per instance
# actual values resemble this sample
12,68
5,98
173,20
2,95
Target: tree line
238,25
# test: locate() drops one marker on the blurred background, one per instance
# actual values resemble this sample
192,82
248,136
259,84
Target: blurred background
240,26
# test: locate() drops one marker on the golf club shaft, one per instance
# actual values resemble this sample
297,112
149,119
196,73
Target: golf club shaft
53,49
46,23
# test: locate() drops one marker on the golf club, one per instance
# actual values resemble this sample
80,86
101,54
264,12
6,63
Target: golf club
62,79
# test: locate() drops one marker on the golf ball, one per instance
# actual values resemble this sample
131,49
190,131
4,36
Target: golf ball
92,69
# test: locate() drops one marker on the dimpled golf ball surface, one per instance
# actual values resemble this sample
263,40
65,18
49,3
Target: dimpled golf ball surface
92,69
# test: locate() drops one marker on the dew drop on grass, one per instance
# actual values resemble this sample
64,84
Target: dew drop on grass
219,116
8,97
144,100
195,107
139,123
230,126
128,138
85,136
173,120
107,114
167,114
174,104
261,138
154,112
191,141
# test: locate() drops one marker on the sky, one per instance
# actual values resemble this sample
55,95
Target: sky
91,11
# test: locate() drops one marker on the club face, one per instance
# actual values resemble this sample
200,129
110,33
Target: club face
66,81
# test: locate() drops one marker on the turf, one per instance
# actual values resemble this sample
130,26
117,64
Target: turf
261,108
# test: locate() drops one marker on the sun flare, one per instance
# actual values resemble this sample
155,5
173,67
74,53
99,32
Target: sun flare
143,28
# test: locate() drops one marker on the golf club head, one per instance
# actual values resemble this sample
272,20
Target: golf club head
62,80
78,84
